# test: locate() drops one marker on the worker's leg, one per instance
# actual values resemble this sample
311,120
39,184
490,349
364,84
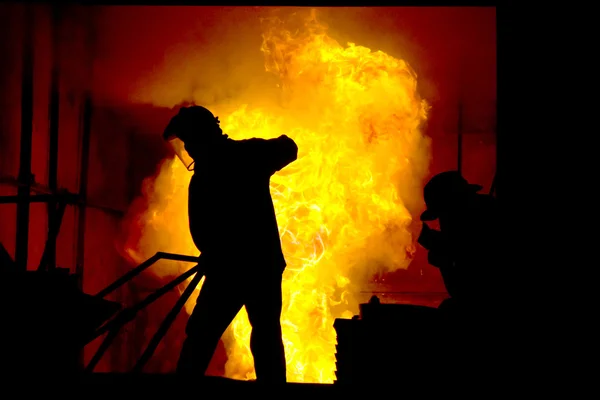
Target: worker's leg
263,305
216,306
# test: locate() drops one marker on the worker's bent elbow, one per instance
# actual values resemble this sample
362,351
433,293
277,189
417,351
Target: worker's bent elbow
293,151
290,149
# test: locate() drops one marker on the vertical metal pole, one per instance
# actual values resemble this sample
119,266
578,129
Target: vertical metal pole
87,24
53,115
83,184
24,190
494,189
461,81
460,137
81,207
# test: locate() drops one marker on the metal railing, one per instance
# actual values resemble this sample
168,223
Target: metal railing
113,326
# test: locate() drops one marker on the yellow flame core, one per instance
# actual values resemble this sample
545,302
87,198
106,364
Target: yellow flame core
344,208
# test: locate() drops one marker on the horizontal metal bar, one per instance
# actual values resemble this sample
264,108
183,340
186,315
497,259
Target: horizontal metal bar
34,186
38,198
42,189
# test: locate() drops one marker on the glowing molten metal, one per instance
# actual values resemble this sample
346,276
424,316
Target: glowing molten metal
345,208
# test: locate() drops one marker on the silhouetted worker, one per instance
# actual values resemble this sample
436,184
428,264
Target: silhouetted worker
465,249
233,224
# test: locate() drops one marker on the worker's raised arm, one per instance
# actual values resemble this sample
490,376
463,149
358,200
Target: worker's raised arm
272,155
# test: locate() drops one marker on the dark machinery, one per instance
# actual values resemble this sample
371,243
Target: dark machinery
387,343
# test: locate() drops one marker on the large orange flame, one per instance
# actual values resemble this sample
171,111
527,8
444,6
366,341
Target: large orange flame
345,208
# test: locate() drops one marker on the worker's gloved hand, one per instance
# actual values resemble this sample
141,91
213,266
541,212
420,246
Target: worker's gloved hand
426,238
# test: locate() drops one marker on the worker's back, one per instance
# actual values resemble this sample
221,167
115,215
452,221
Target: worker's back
231,212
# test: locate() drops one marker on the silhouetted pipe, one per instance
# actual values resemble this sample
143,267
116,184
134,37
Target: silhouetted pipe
83,184
45,195
37,198
459,144
88,65
53,115
25,178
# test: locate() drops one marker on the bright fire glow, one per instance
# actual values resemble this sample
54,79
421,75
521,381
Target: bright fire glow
345,208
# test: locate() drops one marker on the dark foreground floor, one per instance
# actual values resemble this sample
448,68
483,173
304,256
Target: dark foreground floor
169,386
165,386
209,387
156,383
160,380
